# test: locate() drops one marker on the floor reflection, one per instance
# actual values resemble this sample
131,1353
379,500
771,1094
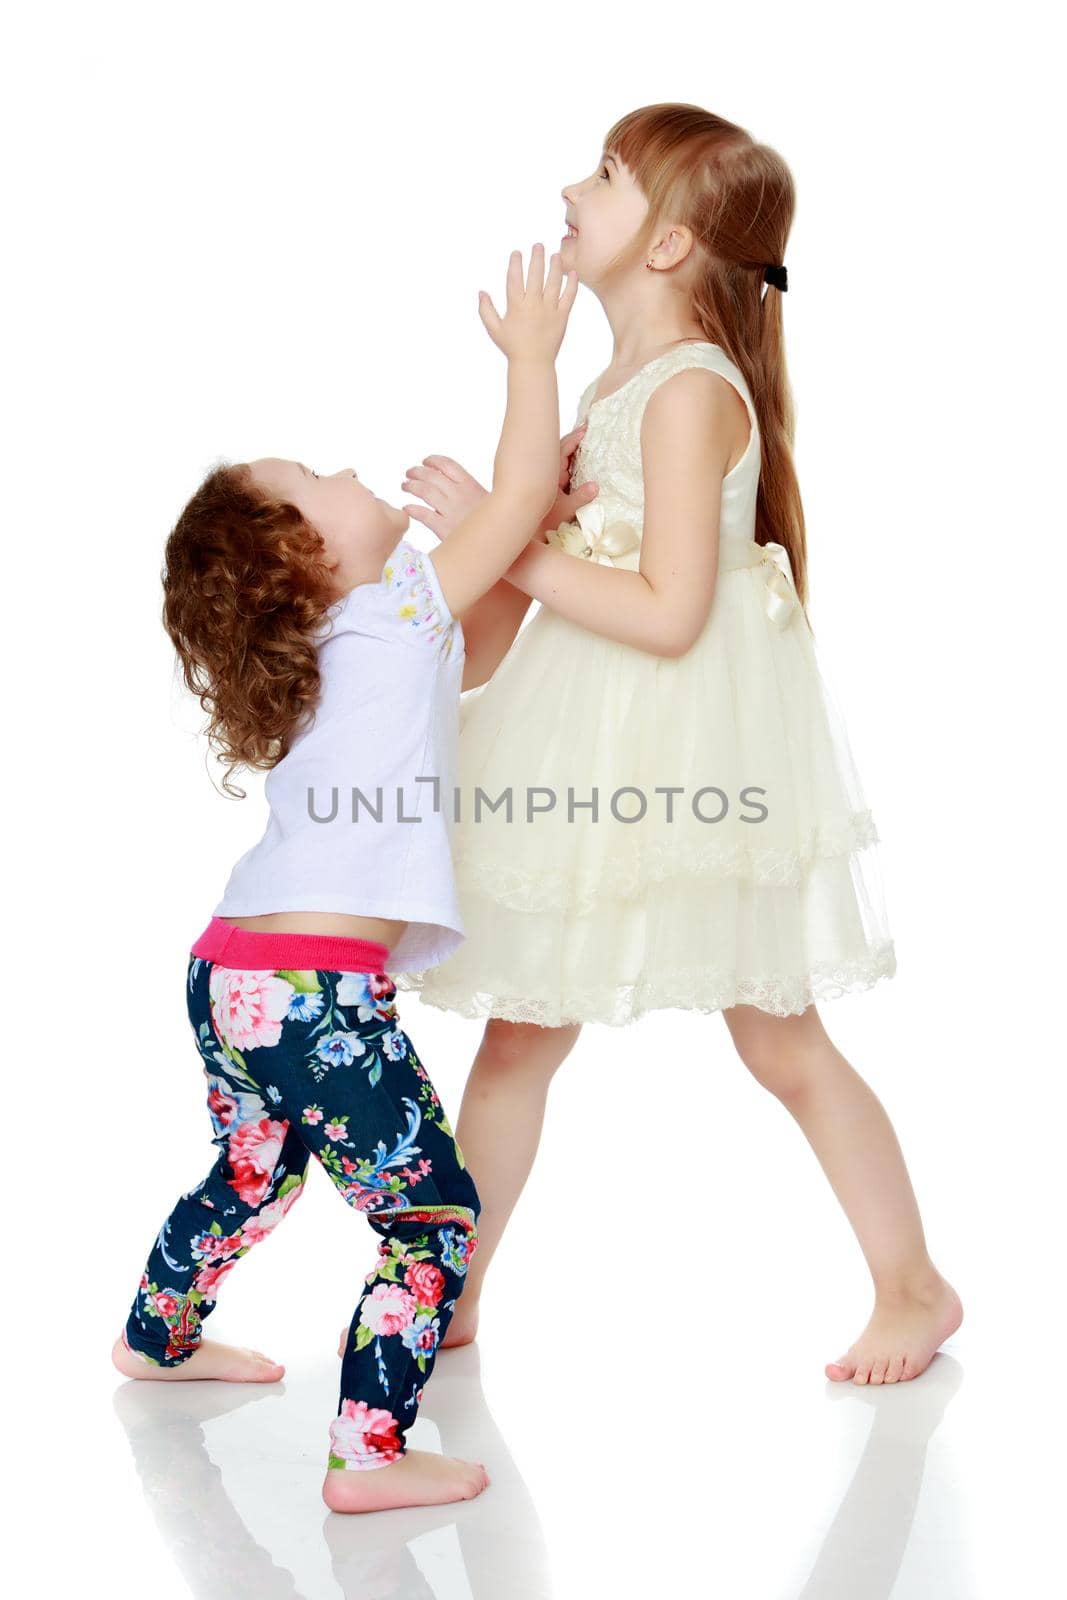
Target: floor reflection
473,1550
493,1546
183,1487
862,1553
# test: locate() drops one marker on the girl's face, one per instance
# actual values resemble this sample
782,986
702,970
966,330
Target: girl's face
357,528
607,208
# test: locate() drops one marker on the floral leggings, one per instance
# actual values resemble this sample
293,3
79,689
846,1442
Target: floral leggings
304,1055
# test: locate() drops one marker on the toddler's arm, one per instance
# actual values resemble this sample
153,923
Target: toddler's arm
491,624
524,470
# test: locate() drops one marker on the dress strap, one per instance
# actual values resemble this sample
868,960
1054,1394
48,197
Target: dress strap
583,402
703,354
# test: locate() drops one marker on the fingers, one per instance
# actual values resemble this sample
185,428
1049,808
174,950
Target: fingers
429,519
413,488
535,278
445,466
580,497
567,504
555,278
530,299
569,446
514,287
555,281
488,313
443,488
431,484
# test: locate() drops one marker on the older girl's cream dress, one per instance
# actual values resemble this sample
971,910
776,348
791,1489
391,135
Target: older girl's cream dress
659,832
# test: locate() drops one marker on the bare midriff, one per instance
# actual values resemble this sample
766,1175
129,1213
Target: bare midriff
383,930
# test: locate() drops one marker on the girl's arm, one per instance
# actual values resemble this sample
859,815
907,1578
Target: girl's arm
530,333
489,630
686,434
492,622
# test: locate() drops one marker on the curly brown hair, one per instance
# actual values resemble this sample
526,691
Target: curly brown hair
246,582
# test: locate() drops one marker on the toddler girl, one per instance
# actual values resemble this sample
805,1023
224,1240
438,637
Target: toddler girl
331,651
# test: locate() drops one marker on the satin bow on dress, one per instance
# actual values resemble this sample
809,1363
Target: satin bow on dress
592,540
588,537
781,600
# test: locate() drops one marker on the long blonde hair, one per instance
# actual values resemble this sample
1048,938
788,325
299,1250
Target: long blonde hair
738,199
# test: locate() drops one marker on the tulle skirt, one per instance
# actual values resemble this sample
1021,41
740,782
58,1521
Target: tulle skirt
754,883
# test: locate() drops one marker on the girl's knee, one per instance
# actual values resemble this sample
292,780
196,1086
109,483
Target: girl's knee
785,1055
513,1046
782,1074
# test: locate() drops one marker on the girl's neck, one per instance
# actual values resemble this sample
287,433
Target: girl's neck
638,344
644,327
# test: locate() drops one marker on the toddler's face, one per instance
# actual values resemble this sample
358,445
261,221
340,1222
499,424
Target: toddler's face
607,208
357,528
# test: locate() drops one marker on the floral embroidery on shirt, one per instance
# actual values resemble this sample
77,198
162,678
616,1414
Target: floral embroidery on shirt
418,603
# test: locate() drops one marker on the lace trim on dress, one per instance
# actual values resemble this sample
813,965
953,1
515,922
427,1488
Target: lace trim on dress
579,892
691,989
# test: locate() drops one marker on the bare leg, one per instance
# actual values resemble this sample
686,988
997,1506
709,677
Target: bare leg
915,1309
498,1130
499,1127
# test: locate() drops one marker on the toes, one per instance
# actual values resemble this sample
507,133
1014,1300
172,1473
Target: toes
862,1372
878,1371
840,1371
912,1368
894,1370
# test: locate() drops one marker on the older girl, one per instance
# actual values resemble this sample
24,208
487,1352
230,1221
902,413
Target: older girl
688,828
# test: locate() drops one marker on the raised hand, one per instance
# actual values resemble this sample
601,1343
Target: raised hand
451,492
536,312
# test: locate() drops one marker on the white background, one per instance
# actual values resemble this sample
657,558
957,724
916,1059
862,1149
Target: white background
241,229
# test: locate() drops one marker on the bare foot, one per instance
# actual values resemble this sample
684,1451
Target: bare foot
904,1332
461,1330
419,1478
230,1362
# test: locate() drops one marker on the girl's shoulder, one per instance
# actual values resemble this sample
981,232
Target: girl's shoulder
710,358
628,401
703,354
404,604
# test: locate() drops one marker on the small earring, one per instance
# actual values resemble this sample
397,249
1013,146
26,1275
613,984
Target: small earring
648,263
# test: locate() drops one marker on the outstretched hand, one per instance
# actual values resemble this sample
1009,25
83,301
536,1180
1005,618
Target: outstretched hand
451,493
536,313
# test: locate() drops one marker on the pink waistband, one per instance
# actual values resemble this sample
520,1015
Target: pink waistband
328,952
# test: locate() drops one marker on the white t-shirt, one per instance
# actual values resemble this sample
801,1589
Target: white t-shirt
391,663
